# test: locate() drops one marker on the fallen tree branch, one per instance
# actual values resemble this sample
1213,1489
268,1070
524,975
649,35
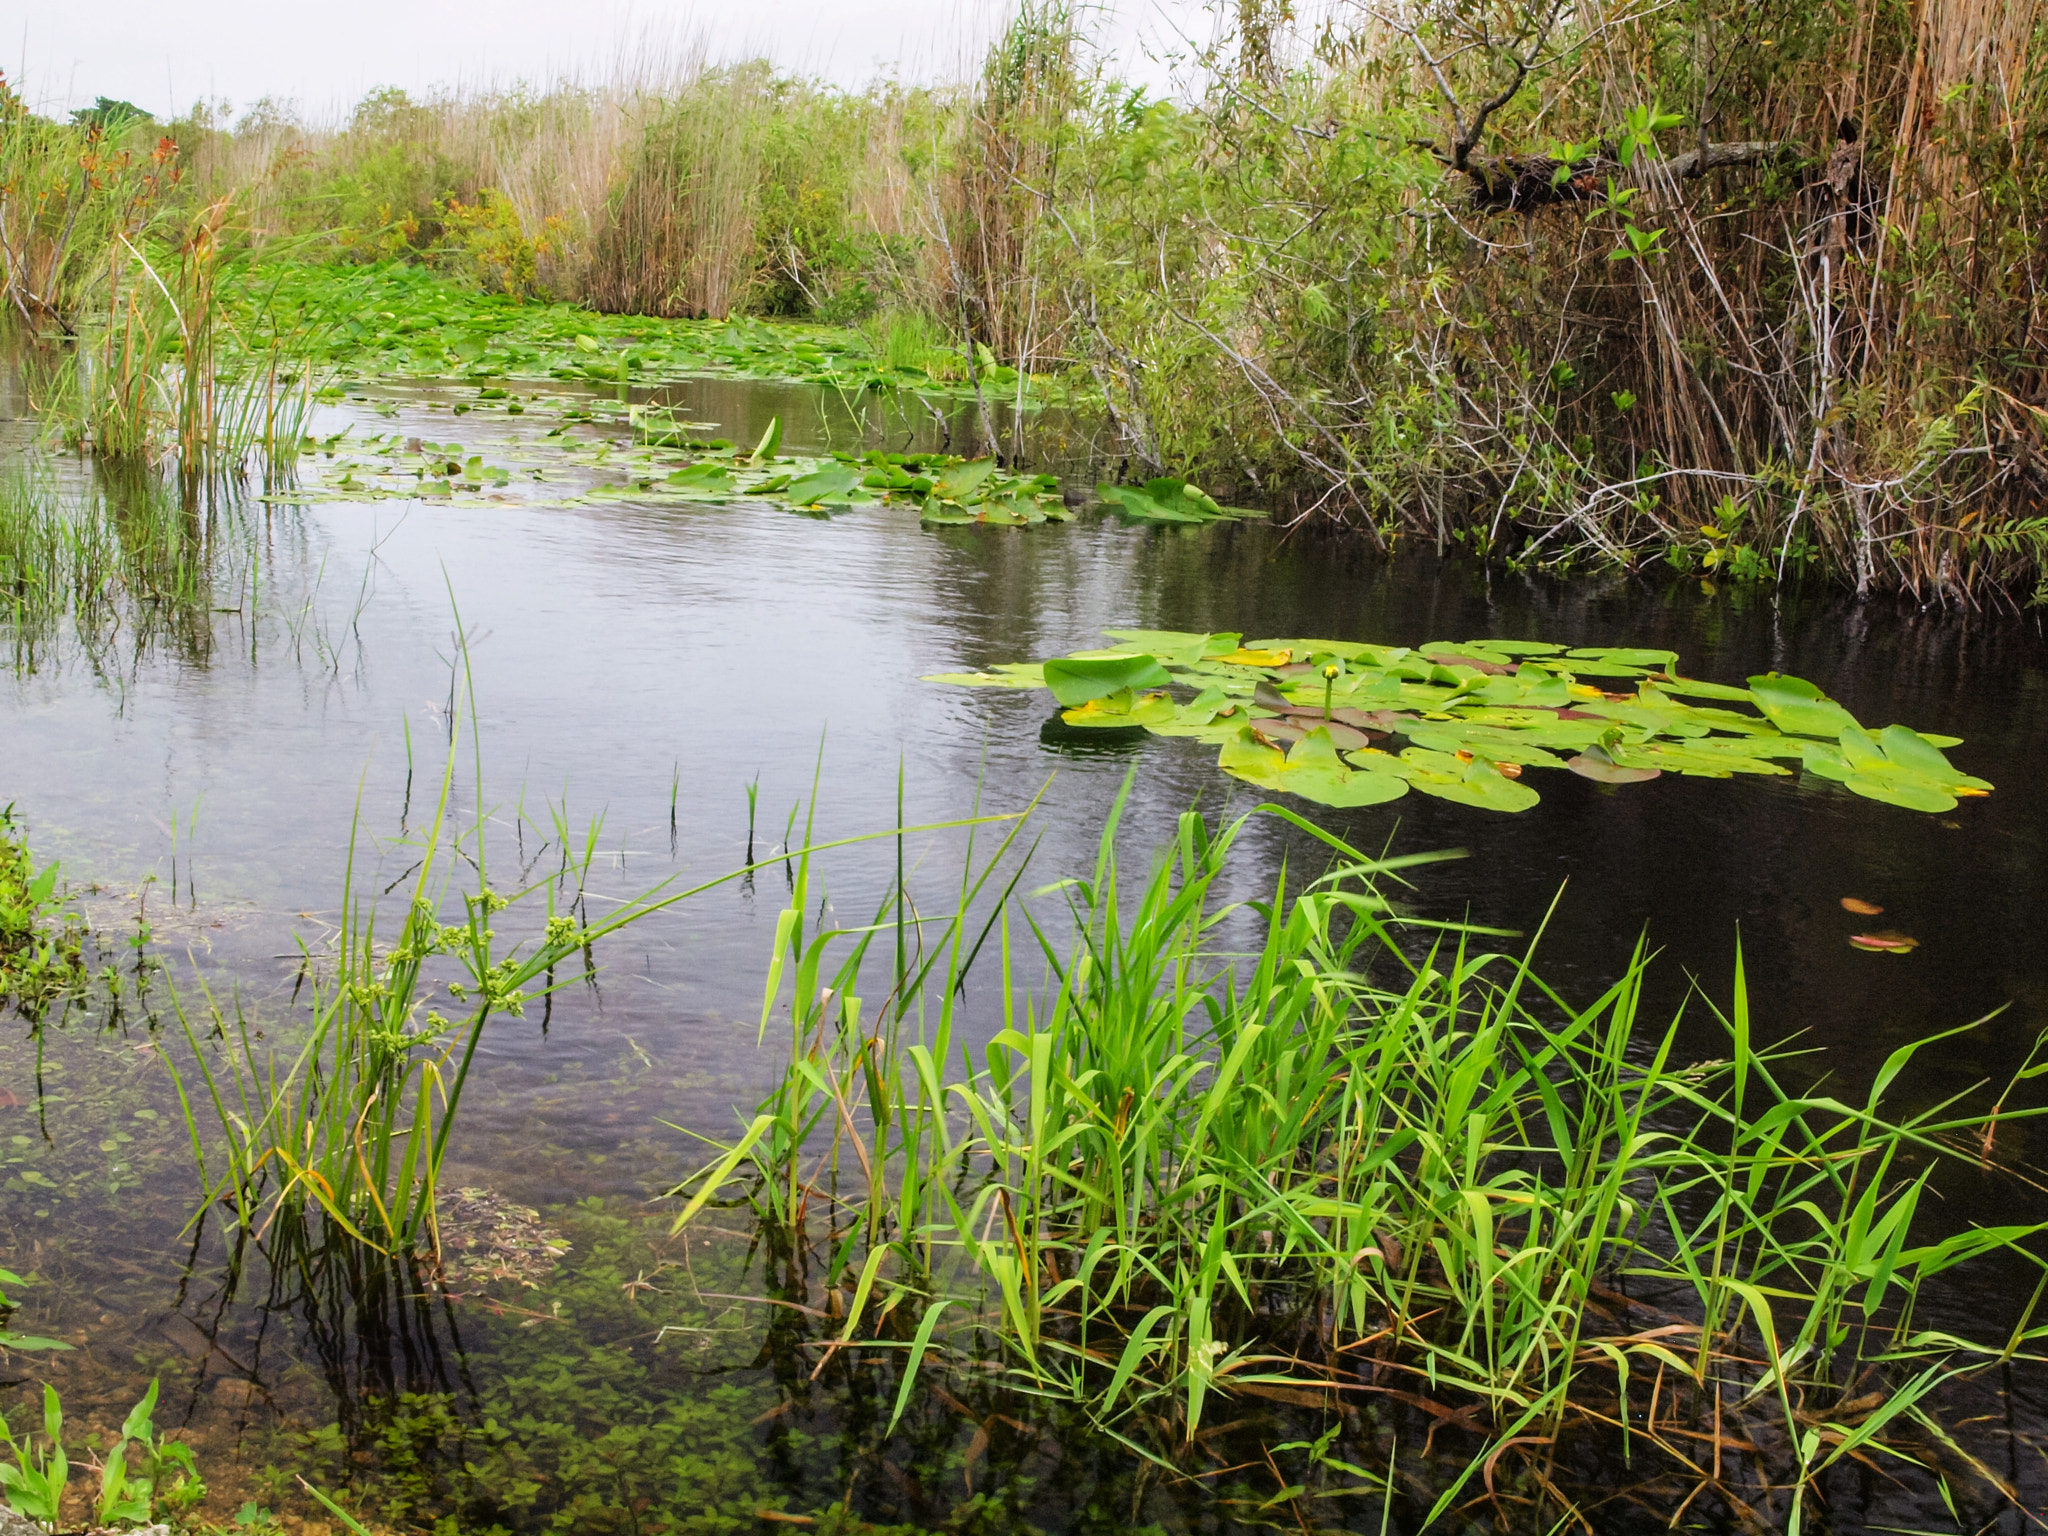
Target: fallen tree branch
1501,183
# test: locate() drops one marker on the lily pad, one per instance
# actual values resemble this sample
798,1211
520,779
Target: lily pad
1122,709
1078,680
1475,781
1305,716
1595,764
1311,769
1167,500
1798,708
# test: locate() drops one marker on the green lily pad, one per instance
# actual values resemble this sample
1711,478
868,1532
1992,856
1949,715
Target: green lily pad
1478,782
1299,715
832,480
1078,680
1167,500
1311,769
1122,709
1011,674
1798,708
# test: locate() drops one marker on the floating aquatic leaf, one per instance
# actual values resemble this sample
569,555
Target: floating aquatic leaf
1122,709
1798,708
1626,656
771,441
1860,907
1167,500
1011,674
962,481
1475,781
832,480
1311,769
1245,657
1887,942
1463,719
1899,767
1078,680
1594,763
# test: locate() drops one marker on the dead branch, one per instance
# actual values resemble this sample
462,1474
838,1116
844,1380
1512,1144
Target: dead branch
1521,183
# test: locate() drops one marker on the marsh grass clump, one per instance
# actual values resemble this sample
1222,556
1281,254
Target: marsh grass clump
1297,1145
117,569
42,941
351,1121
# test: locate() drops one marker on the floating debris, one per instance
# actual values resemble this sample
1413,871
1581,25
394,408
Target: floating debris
1888,942
485,1237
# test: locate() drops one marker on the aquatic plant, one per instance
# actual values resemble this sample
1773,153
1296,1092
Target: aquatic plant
119,569
353,1120
390,320
41,939
355,1124
9,1339
73,192
1167,499
672,465
163,1479
1303,1147
1305,717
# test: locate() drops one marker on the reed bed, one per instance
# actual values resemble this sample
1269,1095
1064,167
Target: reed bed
1298,1147
119,568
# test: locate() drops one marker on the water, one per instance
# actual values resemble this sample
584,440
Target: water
634,668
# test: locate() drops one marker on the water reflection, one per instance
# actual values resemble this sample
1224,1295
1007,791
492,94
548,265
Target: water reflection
278,676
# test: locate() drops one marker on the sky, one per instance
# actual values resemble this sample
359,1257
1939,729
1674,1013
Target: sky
164,57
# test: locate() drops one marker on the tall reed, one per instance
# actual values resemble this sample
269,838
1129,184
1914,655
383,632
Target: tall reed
1299,1144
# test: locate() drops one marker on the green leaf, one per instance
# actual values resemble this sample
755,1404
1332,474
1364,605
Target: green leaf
1011,674
963,480
1311,769
832,480
1798,708
1477,783
1594,763
1122,709
1076,680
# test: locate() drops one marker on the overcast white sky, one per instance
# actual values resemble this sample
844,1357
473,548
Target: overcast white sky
164,54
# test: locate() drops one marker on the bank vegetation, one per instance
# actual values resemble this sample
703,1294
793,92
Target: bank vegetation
1749,292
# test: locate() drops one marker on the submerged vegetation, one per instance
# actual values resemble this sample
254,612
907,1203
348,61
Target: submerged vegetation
1306,716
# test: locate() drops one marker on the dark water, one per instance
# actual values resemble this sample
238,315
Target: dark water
637,667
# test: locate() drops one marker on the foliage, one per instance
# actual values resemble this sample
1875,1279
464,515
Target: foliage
1302,1145
1304,717
388,320
70,195
1561,287
351,1124
355,1124
485,246
41,940
9,1339
164,1478
119,570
